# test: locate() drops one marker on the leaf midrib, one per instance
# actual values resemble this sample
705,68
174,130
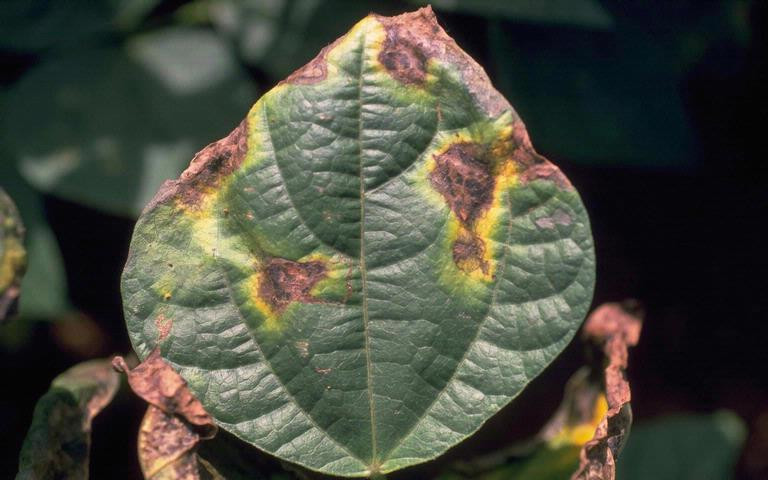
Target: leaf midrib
363,270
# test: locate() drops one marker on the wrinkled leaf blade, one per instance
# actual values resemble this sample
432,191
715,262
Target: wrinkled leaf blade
326,282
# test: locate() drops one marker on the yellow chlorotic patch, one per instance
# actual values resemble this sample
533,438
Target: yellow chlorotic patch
582,433
13,261
475,214
271,322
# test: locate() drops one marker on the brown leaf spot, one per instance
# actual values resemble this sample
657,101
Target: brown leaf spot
559,217
163,326
315,71
611,330
531,165
415,37
469,252
463,177
403,58
285,281
208,167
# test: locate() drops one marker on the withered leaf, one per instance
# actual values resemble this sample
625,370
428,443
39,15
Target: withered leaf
174,424
611,330
58,443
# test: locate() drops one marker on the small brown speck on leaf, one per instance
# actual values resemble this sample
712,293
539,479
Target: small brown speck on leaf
610,330
174,423
285,281
163,326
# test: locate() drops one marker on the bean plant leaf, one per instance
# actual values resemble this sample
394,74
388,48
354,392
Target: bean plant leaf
58,442
372,264
13,256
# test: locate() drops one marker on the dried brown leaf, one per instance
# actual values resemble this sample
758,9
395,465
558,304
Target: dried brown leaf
174,424
610,330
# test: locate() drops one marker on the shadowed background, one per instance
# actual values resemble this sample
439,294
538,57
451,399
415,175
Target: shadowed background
652,109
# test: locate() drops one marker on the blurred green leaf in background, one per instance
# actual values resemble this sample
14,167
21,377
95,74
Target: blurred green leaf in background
105,126
683,447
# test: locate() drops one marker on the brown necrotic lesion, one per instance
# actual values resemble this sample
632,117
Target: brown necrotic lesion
284,281
463,175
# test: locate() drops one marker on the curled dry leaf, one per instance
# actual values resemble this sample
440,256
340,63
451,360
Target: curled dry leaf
174,424
611,330
13,256
58,442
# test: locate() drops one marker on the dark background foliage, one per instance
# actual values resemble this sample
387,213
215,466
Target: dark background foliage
654,110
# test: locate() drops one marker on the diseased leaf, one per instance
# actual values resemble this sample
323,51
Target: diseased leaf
59,440
612,328
174,423
119,121
580,421
13,256
370,265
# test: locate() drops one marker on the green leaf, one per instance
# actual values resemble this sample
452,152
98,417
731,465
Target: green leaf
119,121
58,442
371,265
684,447
13,256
